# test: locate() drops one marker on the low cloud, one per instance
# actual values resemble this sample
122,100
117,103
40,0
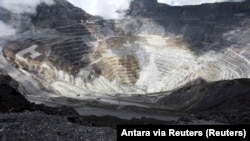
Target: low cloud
193,2
6,30
23,6
105,8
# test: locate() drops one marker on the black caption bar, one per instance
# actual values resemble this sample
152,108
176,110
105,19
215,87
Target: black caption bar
196,132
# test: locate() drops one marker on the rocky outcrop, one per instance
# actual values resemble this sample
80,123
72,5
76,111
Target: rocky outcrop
58,15
230,97
12,101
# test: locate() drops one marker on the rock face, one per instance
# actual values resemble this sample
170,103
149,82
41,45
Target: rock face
223,101
154,48
59,15
22,120
224,96
12,101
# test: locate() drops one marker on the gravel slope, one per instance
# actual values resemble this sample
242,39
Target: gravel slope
37,126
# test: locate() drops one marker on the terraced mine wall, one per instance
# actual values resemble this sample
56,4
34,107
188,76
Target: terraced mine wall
154,48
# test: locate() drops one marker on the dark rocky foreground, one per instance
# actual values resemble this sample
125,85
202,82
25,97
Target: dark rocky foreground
38,126
225,101
21,120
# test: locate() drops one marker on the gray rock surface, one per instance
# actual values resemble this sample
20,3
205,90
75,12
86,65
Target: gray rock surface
228,98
